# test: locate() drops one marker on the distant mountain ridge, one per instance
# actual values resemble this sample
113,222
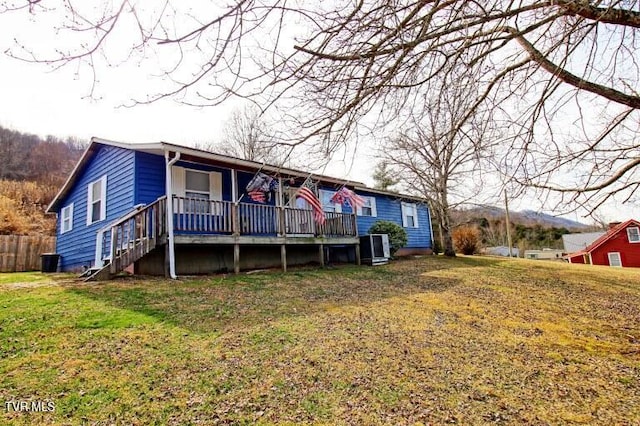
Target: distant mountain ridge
529,217
558,222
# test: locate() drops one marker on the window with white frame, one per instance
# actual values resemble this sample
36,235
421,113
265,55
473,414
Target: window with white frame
97,200
327,205
633,234
409,215
66,220
368,208
196,189
614,259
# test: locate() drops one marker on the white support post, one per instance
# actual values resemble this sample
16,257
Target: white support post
234,185
97,262
282,232
169,192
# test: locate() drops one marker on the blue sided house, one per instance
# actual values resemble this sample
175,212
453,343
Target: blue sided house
164,209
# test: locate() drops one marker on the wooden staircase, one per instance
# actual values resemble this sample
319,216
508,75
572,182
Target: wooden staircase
131,237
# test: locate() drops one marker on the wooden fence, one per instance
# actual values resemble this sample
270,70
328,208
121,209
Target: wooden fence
19,253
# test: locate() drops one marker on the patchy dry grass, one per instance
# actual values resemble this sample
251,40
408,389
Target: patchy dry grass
432,340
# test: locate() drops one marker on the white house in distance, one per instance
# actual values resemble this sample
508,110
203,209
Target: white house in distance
544,254
502,251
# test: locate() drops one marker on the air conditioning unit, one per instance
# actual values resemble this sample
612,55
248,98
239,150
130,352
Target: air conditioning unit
374,249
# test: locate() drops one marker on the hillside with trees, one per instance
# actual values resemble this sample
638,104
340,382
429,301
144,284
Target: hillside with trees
529,230
32,170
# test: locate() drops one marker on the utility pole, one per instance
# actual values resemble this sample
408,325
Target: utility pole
506,209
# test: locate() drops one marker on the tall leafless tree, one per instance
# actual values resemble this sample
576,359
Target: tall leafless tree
246,135
441,152
562,73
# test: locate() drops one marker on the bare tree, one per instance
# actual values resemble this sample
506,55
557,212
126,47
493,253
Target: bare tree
441,152
246,135
562,73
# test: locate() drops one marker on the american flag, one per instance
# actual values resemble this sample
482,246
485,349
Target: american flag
260,186
257,196
306,193
346,196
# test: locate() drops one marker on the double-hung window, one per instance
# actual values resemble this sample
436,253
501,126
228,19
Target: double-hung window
66,220
409,215
633,234
614,259
368,208
97,200
197,191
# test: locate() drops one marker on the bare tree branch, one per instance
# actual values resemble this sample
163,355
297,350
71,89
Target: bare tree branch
558,76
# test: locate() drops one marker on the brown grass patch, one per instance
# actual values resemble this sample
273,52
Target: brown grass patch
432,340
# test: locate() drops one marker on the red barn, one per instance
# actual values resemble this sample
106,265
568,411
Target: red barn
620,246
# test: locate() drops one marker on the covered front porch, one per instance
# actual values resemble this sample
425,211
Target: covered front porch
205,201
248,226
209,224
206,219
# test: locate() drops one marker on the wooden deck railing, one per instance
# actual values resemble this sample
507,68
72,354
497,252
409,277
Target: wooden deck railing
194,215
258,219
136,234
202,216
299,222
338,224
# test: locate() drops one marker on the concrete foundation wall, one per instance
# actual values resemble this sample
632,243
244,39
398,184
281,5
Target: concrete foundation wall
206,259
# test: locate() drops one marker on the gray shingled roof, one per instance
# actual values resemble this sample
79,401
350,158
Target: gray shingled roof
578,242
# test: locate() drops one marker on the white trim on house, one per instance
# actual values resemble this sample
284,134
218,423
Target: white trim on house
409,210
159,148
215,186
614,259
636,234
66,219
433,238
372,205
91,200
169,162
179,184
177,181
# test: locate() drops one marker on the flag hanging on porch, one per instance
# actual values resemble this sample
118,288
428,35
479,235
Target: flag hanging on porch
345,196
257,196
259,186
274,186
306,193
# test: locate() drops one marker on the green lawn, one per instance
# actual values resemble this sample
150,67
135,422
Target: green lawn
432,340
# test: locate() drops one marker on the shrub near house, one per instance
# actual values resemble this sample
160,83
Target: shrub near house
397,235
466,239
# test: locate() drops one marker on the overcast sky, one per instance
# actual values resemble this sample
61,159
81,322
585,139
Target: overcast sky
34,99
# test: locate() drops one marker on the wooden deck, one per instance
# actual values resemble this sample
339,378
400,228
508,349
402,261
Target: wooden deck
204,222
259,240
195,218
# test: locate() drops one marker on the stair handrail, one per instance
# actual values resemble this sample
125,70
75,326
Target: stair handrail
98,262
